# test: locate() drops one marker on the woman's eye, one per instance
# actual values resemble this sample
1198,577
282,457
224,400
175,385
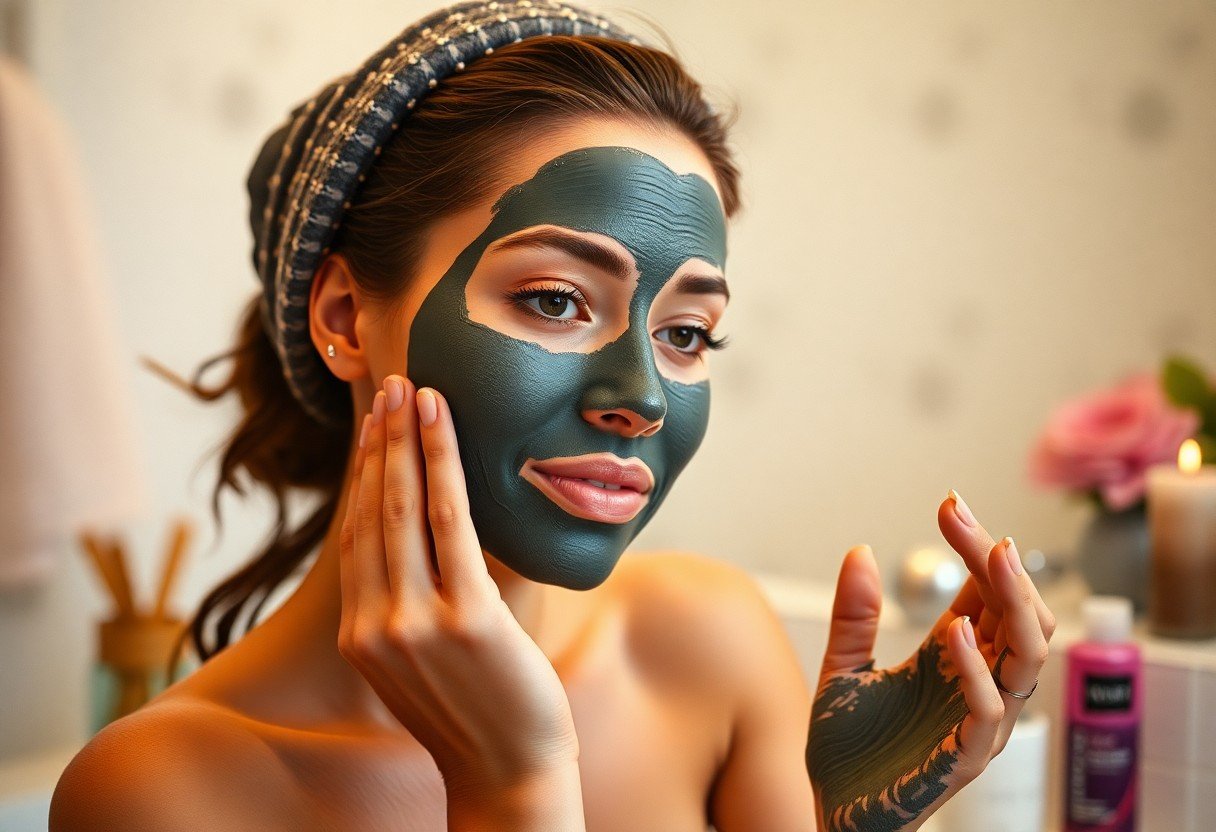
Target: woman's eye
681,337
553,305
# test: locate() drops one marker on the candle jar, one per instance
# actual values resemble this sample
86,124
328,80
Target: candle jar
1182,520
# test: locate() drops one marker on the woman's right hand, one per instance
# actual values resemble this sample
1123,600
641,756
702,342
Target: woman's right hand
443,651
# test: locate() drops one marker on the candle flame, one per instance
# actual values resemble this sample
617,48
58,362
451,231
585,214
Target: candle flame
1190,457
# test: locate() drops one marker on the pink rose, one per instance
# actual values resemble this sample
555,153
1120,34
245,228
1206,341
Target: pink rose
1107,440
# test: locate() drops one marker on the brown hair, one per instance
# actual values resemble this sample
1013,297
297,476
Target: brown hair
441,159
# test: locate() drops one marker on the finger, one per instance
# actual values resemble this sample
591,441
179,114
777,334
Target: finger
1047,619
854,612
992,626
1025,641
462,569
406,544
985,710
346,548
973,543
959,526
371,569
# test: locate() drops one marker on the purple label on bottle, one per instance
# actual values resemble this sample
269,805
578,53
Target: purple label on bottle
1101,788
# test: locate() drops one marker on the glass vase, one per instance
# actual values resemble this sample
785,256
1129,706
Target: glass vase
1113,554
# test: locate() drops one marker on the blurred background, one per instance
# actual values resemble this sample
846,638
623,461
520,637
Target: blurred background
957,215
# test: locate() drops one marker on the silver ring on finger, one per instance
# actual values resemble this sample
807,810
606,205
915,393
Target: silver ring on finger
996,677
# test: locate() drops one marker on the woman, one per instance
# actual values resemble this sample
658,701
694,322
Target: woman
501,243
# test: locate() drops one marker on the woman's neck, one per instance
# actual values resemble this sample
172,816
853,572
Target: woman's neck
301,636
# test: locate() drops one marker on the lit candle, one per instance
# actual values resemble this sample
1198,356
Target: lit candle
1182,522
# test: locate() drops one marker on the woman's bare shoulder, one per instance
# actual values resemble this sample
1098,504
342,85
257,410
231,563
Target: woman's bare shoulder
179,762
694,614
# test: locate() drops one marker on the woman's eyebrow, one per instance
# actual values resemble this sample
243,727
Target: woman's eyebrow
702,284
581,248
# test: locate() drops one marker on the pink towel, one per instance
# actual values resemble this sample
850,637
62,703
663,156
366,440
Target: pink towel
68,450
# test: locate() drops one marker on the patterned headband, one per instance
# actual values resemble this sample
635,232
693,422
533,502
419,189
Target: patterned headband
310,168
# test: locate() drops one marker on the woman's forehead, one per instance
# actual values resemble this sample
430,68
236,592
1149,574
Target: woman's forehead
613,177
624,193
667,145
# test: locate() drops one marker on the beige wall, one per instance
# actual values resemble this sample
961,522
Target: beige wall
957,214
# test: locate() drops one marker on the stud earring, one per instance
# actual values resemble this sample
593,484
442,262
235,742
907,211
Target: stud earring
330,351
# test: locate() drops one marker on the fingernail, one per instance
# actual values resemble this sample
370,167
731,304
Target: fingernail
378,408
1011,552
395,391
428,408
968,632
367,421
962,510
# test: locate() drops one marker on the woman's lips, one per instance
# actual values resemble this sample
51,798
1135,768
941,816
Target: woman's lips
600,487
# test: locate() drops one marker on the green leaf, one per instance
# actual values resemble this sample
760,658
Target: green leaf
1186,385
1207,447
1094,497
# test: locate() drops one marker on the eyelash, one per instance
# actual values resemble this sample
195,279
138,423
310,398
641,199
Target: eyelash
710,342
520,298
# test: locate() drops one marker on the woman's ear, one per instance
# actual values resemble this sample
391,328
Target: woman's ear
334,306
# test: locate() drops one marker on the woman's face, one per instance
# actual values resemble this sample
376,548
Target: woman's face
564,319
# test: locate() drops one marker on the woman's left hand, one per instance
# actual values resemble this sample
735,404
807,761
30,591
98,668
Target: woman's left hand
888,747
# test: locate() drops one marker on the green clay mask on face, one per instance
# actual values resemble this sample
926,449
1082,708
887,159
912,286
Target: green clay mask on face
513,400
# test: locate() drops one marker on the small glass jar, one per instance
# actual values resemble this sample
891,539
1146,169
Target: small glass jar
132,655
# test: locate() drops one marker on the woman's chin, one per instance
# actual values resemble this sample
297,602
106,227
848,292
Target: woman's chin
570,566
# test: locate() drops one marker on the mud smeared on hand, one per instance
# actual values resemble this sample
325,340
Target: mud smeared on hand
883,742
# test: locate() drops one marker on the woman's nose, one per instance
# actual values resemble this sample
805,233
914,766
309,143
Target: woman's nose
626,396
624,422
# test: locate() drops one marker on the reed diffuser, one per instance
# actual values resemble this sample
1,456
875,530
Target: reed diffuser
134,645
